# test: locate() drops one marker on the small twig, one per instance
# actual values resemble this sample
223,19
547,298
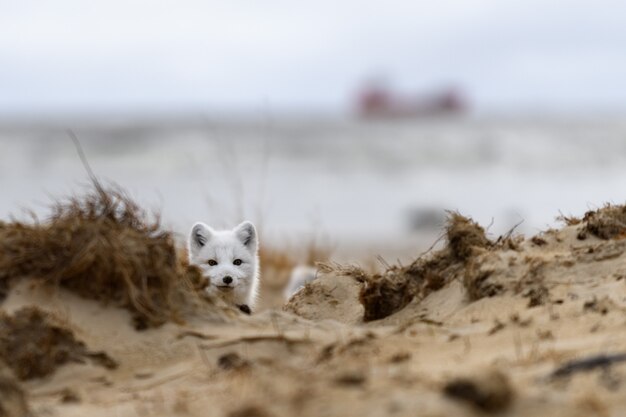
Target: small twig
253,339
83,159
194,333
403,327
508,234
162,381
587,364
432,246
383,262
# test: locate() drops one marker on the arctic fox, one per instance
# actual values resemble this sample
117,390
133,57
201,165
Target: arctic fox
300,276
229,259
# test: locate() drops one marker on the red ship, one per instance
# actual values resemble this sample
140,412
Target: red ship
376,101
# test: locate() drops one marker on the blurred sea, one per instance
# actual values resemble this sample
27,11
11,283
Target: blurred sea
350,180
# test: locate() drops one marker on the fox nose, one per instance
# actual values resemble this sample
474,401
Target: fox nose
227,280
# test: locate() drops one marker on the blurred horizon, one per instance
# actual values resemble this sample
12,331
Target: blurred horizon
358,120
357,181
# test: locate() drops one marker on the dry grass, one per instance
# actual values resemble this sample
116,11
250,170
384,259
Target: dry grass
384,294
101,246
568,220
608,222
463,236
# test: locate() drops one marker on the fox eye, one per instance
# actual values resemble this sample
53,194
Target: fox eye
237,262
212,262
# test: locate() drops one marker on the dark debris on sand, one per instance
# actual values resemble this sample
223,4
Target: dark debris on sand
588,364
232,361
33,344
490,392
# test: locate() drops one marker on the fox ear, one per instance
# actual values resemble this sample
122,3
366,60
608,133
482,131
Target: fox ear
246,233
200,235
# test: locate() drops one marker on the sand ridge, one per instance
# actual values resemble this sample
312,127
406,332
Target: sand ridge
488,338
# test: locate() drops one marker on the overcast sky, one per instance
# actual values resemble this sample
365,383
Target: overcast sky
286,55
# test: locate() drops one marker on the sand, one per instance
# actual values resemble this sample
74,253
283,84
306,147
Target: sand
489,340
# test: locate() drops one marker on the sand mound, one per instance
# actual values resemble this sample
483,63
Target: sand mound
384,294
532,271
330,296
387,293
103,247
546,313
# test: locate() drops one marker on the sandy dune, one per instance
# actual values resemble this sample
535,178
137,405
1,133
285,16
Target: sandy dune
488,339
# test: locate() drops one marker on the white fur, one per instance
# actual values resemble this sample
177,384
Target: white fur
300,276
224,247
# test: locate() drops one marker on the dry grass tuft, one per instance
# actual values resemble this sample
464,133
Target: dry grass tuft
608,222
101,246
33,344
349,270
568,220
384,294
464,235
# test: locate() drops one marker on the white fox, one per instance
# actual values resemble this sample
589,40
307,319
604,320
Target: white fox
229,259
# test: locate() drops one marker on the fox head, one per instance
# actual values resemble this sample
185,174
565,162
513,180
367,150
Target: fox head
228,258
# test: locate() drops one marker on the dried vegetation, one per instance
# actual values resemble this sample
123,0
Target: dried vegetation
384,294
101,246
608,222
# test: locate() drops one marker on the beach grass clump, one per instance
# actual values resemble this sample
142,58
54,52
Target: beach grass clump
102,246
606,223
387,293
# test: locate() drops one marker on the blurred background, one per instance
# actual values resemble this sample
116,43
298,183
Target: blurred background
354,123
